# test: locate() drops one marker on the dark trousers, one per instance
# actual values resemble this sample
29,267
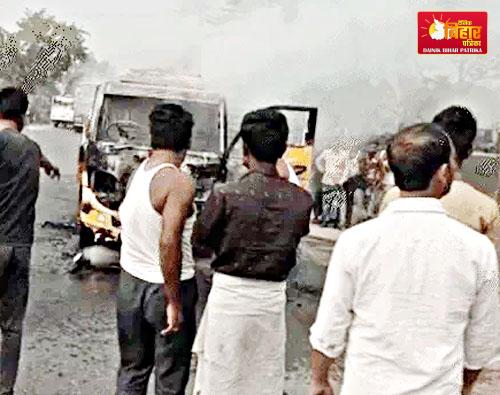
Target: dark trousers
350,187
204,275
141,317
318,203
14,287
333,197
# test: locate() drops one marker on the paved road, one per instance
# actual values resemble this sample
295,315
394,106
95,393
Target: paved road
70,342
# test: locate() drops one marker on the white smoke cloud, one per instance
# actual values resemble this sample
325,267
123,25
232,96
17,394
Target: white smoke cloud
357,61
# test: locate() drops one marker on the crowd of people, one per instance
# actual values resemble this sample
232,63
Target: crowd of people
354,177
411,296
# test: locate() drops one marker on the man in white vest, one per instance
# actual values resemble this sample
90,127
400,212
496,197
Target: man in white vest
157,294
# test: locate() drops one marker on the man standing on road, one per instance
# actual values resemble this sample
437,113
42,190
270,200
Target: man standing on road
204,272
254,226
464,203
337,164
316,190
414,292
157,293
20,163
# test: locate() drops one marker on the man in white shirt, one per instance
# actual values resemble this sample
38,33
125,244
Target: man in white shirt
414,291
337,164
464,203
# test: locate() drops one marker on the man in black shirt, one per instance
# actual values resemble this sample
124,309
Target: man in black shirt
20,163
254,226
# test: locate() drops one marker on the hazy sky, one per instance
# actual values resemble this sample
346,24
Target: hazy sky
355,59
127,33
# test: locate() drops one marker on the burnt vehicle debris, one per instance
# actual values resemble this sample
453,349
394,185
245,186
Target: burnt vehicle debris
116,141
302,129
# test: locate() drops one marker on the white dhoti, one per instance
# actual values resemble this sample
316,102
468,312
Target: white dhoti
240,344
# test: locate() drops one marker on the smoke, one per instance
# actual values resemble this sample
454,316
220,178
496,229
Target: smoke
357,61
92,71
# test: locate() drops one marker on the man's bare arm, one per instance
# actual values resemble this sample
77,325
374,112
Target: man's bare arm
282,169
320,367
51,170
470,377
176,210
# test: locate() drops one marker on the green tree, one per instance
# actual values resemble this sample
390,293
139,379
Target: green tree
23,50
23,57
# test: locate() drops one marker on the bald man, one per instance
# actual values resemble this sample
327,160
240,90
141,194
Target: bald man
414,292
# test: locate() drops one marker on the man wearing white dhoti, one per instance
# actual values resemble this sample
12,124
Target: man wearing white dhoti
254,226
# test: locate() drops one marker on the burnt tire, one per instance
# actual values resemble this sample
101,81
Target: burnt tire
86,237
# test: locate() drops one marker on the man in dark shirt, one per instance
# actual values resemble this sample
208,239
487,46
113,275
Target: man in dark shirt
20,162
254,226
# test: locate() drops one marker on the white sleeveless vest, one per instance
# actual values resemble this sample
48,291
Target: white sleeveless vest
141,231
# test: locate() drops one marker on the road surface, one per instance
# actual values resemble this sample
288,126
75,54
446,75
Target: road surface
70,345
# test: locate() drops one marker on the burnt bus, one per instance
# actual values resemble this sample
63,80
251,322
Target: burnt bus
116,140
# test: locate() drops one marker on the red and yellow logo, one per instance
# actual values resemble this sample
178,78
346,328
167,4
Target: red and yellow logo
452,33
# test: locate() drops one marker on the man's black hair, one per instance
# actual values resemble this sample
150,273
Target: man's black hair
416,153
171,127
13,103
461,126
265,133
